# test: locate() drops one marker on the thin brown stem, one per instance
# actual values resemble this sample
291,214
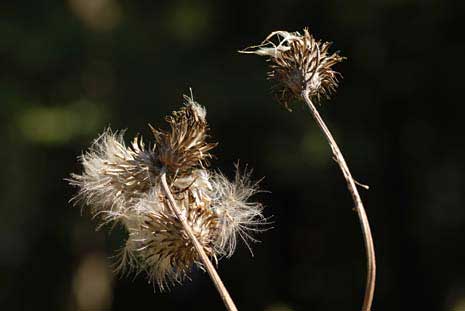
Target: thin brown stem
351,185
228,302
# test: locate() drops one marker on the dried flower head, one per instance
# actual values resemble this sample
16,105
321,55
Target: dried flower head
122,185
184,146
114,174
158,242
298,63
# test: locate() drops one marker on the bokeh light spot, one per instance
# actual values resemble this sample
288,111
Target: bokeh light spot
187,20
92,287
59,124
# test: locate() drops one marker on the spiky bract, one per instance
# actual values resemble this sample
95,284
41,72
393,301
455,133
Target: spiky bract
184,146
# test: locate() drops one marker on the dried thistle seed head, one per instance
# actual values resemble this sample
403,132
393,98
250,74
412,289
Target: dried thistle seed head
184,146
114,174
298,63
122,185
159,243
216,209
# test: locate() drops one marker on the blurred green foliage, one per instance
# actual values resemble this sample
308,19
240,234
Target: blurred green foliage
60,124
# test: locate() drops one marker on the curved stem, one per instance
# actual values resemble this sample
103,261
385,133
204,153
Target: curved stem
228,302
351,185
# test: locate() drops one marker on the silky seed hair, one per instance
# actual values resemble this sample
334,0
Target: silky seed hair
298,62
114,174
239,216
121,184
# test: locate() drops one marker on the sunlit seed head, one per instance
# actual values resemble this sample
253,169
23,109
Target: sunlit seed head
298,63
114,174
122,185
158,244
184,146
217,210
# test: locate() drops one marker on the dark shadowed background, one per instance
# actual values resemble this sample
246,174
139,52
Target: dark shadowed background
70,68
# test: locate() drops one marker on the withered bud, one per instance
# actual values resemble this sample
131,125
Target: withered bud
298,63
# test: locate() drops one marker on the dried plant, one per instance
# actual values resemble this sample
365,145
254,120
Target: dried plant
302,67
177,212
298,63
184,146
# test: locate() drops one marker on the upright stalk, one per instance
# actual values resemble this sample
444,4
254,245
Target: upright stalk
228,302
351,185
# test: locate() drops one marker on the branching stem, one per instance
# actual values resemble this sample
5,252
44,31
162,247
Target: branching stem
229,303
351,185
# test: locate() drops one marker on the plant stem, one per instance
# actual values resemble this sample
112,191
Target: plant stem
351,185
228,302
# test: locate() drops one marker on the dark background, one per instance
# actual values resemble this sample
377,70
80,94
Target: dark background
70,68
